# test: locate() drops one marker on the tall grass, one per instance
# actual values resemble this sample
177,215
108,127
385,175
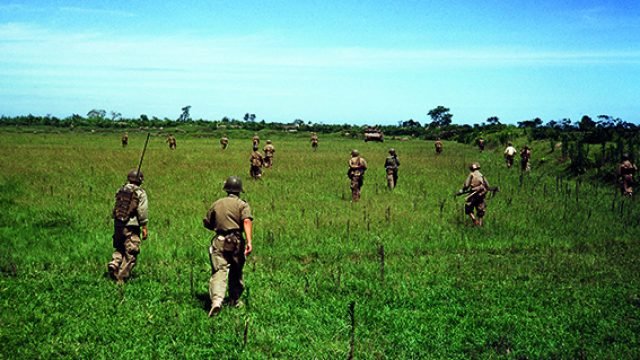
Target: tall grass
552,274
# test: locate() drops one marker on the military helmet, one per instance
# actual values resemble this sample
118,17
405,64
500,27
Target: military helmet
233,184
392,151
268,141
509,143
474,166
625,157
355,152
134,177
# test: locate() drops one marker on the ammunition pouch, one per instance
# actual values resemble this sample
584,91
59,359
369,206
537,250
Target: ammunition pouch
126,204
229,241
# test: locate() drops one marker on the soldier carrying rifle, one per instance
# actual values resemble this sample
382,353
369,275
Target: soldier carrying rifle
477,187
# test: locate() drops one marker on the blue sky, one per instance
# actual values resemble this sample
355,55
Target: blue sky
360,62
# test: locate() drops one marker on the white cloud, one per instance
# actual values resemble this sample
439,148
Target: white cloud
36,46
94,11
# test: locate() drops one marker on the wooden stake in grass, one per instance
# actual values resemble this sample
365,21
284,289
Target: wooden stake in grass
388,214
246,333
381,254
352,317
191,280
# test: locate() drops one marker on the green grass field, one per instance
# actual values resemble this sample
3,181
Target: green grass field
553,274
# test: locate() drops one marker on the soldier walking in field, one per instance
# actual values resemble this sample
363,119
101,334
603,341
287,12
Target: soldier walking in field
509,154
125,139
256,140
224,142
229,217
481,144
439,146
172,142
130,215
256,161
357,168
391,166
626,170
477,187
269,150
314,141
525,158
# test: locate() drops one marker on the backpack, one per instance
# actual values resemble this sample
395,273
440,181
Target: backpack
127,200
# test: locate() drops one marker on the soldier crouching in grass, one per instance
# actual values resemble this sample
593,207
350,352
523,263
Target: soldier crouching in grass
229,217
357,168
477,187
130,215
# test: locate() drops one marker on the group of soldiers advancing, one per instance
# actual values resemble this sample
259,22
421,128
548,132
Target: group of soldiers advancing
231,220
525,156
257,160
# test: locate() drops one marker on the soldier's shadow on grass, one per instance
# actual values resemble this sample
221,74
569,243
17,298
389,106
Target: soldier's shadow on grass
205,301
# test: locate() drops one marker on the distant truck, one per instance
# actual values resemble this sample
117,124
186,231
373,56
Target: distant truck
373,135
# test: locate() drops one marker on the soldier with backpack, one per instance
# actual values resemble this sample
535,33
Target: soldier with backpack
391,166
357,168
130,218
256,161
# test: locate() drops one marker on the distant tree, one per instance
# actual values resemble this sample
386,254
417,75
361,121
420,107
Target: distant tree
115,115
298,122
96,114
249,117
185,114
586,124
144,117
410,124
565,124
493,120
530,123
440,116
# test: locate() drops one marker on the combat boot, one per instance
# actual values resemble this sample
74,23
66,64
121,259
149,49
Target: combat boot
113,270
238,304
215,308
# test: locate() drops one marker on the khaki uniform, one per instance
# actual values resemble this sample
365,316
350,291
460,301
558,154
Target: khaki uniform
525,159
475,201
226,253
269,150
314,142
509,154
391,165
126,236
439,146
172,142
125,140
255,140
224,142
357,168
626,170
481,144
256,161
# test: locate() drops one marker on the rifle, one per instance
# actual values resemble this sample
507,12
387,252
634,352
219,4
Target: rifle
492,189
144,149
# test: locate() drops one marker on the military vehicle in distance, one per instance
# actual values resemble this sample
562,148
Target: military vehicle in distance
371,134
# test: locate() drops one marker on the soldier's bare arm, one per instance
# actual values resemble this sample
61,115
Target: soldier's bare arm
248,231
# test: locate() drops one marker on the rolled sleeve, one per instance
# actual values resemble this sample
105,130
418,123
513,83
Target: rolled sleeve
143,208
